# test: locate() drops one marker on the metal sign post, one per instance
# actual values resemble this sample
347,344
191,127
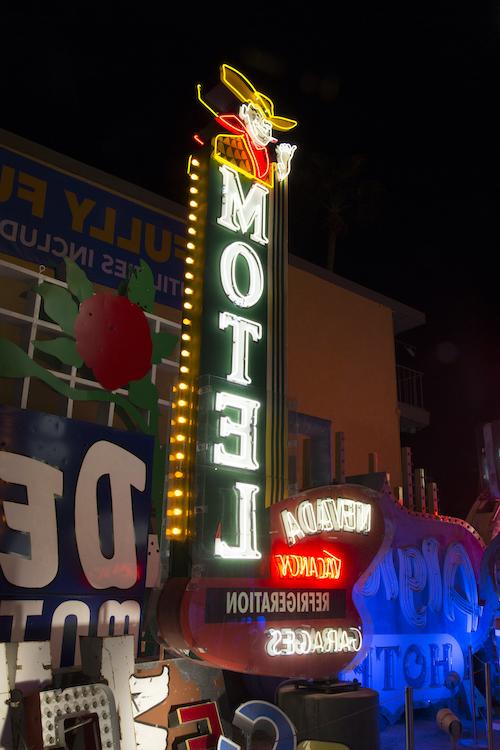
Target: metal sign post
410,735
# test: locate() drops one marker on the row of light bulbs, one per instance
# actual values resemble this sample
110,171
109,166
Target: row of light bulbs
177,506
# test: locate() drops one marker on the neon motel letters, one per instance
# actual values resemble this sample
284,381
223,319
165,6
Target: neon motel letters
242,215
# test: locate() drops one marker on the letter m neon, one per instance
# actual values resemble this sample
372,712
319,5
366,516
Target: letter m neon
240,212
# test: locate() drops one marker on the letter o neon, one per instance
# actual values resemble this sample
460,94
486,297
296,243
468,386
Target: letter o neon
228,274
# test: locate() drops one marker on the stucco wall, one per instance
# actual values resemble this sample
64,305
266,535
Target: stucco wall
341,366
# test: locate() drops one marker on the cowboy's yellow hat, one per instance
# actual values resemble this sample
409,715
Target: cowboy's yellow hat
246,92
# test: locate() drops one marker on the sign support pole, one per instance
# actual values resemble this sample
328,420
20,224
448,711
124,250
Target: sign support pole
410,736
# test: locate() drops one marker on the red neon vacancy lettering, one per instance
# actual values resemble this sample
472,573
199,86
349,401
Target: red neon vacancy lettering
307,566
202,712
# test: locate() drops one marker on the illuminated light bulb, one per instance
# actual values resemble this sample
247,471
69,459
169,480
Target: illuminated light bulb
177,512
188,275
170,493
182,420
195,162
191,230
192,217
186,322
188,290
193,204
184,369
193,190
176,531
186,337
194,176
188,306
190,246
178,474
189,260
177,493
183,386
180,438
179,456
184,353
181,402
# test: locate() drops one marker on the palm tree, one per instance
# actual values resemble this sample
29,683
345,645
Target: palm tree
338,195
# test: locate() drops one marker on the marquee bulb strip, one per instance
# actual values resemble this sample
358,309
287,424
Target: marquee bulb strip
184,401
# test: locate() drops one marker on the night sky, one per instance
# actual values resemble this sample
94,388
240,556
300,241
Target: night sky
398,156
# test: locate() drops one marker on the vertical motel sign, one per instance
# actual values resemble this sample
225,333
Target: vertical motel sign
259,582
229,422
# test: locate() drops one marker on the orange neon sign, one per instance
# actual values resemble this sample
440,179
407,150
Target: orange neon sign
308,566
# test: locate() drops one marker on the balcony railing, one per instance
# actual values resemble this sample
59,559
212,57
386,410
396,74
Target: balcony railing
410,386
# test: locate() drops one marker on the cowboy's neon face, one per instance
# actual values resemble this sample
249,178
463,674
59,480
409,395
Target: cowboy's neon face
259,129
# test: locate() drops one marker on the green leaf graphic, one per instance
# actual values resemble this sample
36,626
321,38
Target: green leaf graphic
122,288
62,348
77,280
163,345
59,305
143,393
141,287
14,362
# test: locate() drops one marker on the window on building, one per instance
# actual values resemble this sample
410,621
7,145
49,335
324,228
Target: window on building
309,452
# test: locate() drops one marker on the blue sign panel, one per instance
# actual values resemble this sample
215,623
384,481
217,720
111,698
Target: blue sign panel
76,503
47,214
424,607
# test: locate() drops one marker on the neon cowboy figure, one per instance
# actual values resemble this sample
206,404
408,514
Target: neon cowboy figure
247,147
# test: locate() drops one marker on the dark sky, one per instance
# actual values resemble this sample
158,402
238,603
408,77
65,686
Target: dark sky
398,152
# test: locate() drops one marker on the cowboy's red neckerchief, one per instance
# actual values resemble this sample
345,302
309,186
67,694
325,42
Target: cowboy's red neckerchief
259,155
